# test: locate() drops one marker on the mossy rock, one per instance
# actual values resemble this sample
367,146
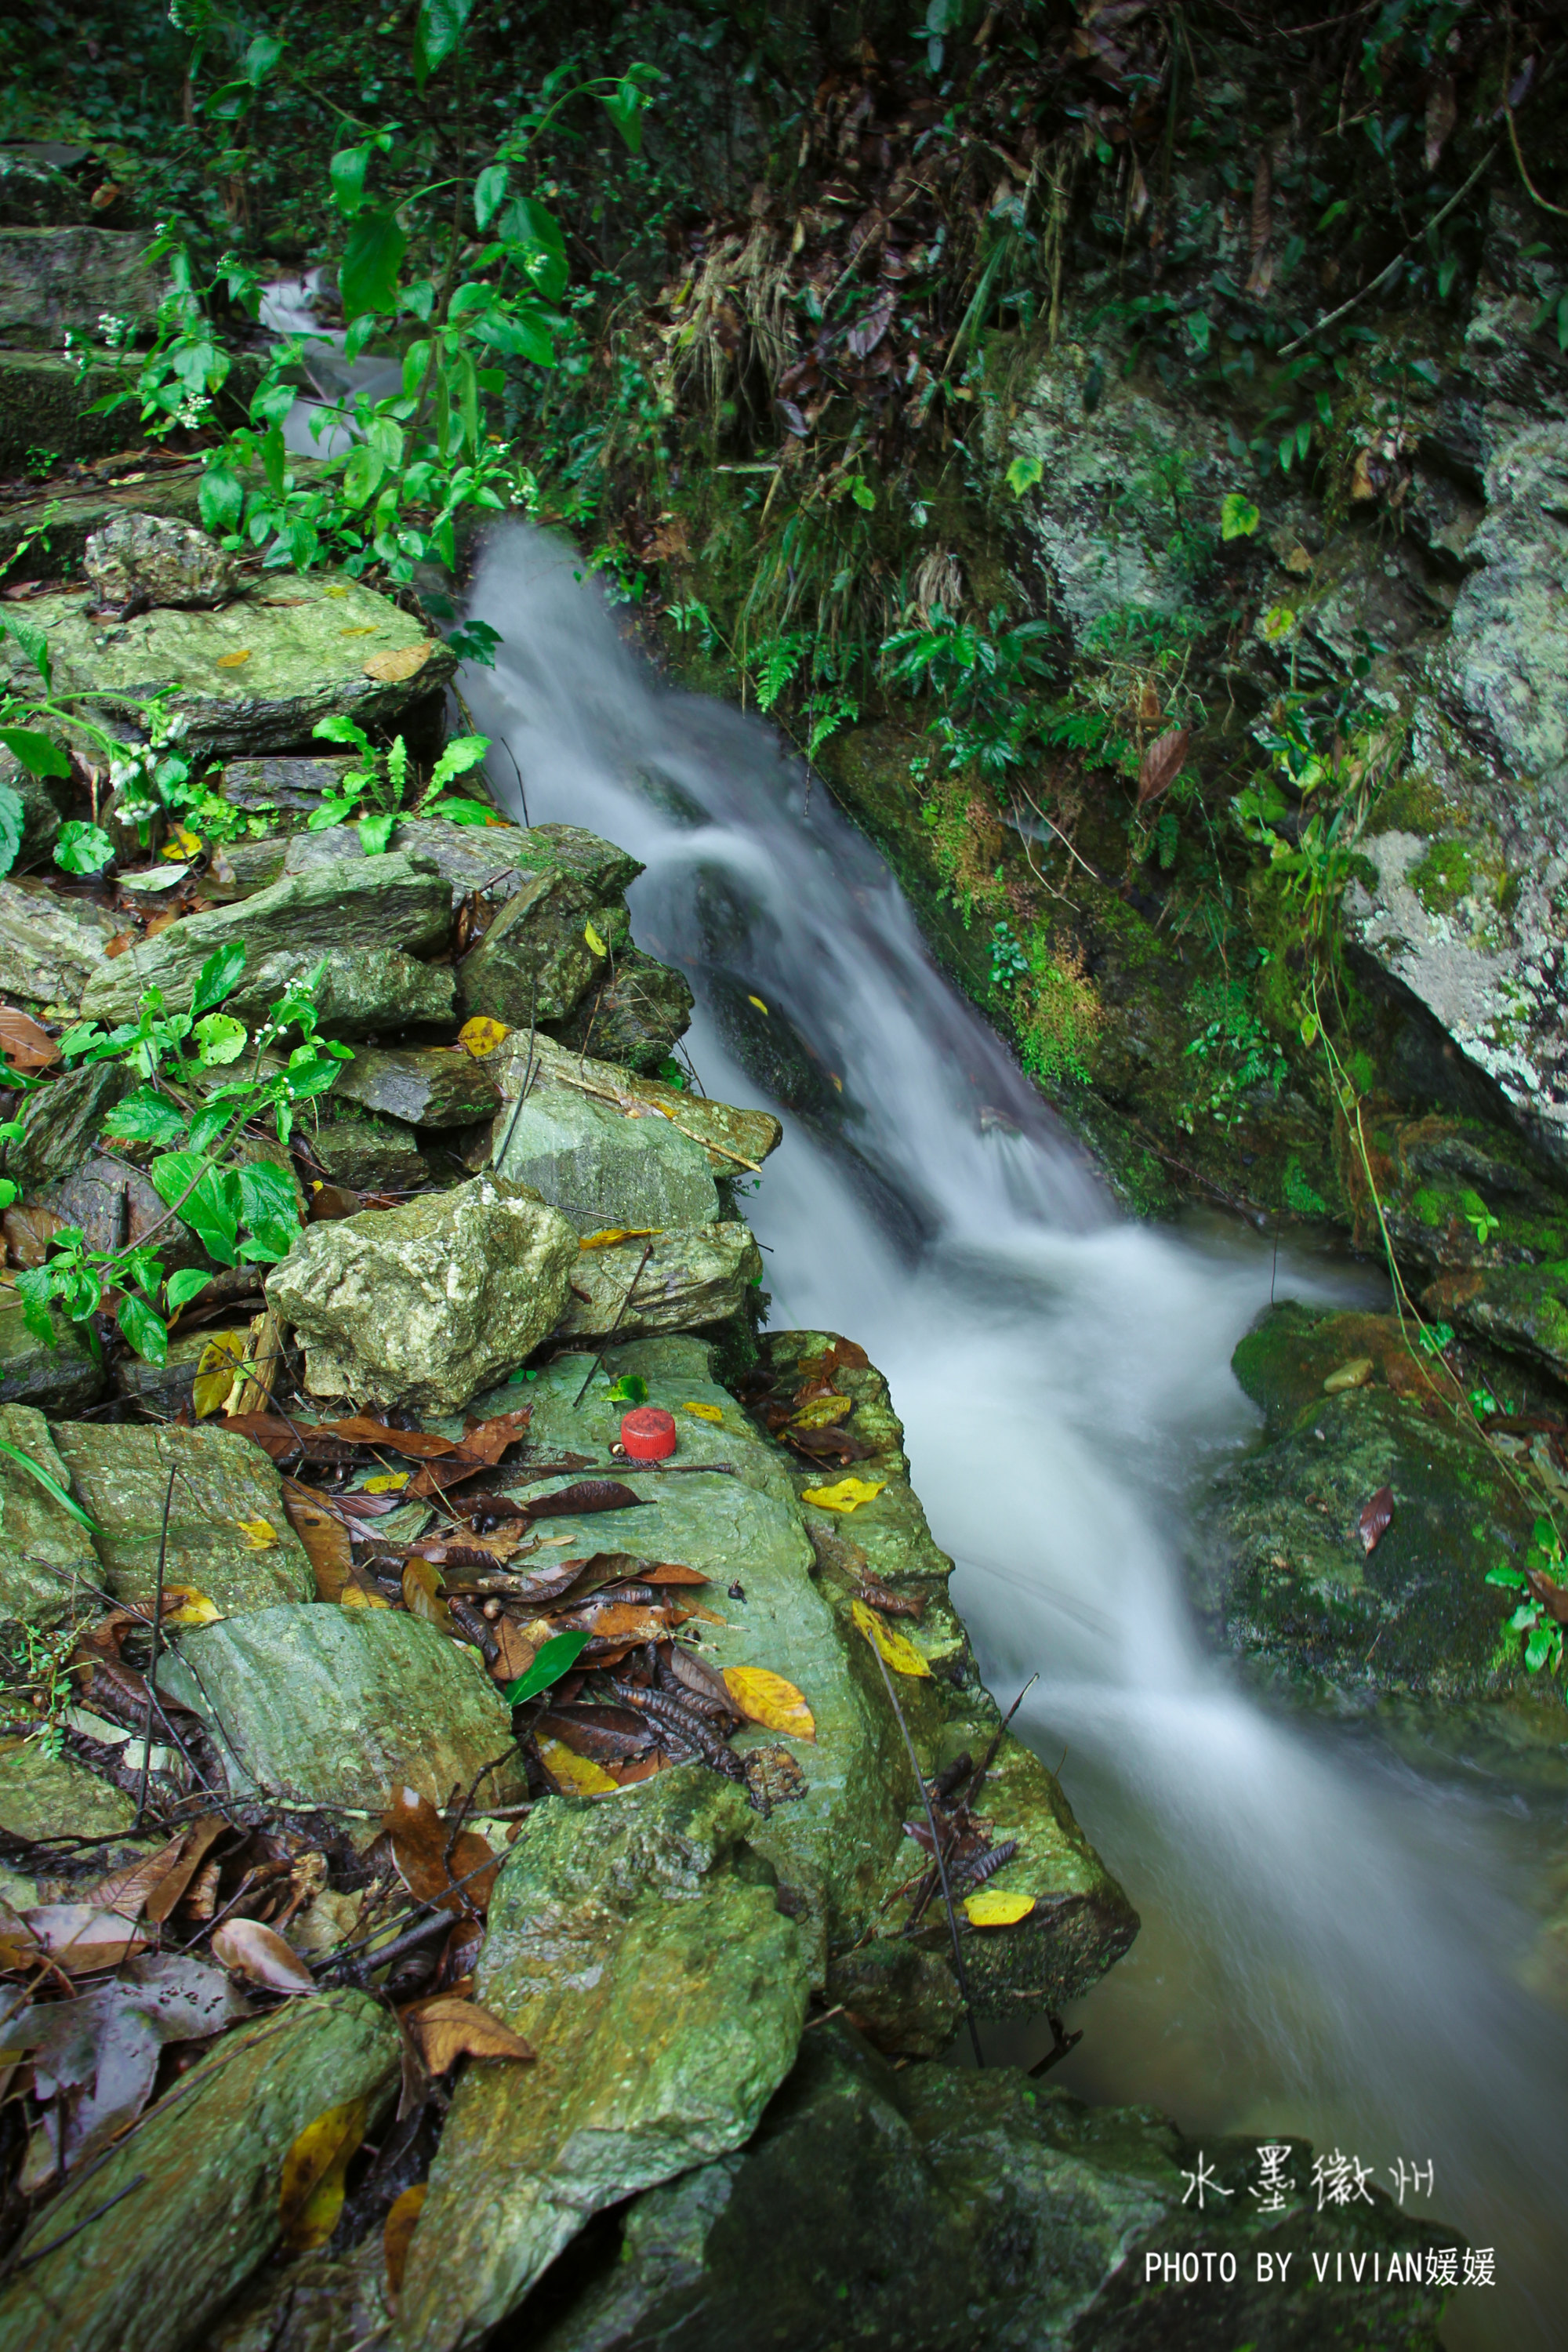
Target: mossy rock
1281,1571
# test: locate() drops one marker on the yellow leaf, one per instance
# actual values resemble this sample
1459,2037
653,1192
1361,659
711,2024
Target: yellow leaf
758,1003
385,1482
260,1534
766,1698
574,1773
481,1035
337,592
366,632
217,1367
311,2195
192,1608
705,1413
613,1233
1354,1375
422,1588
847,1494
395,2237
392,667
184,843
234,661
822,1413
595,941
993,1906
900,1654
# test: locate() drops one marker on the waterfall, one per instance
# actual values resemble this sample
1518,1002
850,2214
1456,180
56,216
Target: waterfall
1332,1942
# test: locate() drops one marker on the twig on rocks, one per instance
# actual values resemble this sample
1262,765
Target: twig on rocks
959,1968
153,1662
620,1312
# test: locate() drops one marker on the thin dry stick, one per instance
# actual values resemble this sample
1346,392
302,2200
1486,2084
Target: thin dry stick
1404,253
620,1311
157,1630
971,1797
959,1969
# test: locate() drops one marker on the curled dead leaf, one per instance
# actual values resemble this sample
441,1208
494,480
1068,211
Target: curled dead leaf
311,2194
1161,764
899,1653
250,1949
402,661
766,1698
448,2029
1376,1519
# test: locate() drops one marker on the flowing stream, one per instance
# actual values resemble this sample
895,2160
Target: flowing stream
1333,1945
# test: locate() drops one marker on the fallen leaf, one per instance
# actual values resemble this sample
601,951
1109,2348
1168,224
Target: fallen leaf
608,1240
385,1482
24,1043
481,1035
605,1735
329,1546
421,1445
397,2236
404,661
27,1235
618,1621
251,1951
1354,1375
758,1003
705,1413
419,1841
236,660
595,941
311,2195
422,1595
191,1607
993,1906
446,2029
329,1203
217,1366
1162,764
824,1412
260,1534
574,1776
194,1846
1376,1519
766,1698
480,1448
514,1653
83,1937
125,1891
847,1494
586,1494
900,1654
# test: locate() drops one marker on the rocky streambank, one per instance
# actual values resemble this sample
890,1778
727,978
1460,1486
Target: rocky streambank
459,1876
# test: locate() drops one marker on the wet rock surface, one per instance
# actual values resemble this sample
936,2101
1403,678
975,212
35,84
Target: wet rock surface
153,559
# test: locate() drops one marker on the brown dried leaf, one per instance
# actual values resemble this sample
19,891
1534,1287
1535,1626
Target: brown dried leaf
126,1891
82,1938
480,1448
448,2029
398,2234
1442,113
250,1949
311,2194
698,1675
403,661
587,1495
514,1652
363,1429
1376,1519
24,1042
605,1735
1161,764
193,1851
422,1594
326,1540
28,1233
419,1840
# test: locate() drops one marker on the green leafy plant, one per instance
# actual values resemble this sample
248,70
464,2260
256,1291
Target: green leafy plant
983,677
1237,1055
378,789
242,1208
1009,960
1542,1580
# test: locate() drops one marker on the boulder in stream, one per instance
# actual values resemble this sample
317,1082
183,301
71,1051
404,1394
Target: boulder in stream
426,1305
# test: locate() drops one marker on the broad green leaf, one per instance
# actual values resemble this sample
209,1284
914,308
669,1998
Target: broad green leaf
209,1202
37,754
36,1288
82,848
463,752
490,194
337,730
862,493
553,1659
221,1038
624,109
267,1199
145,1118
218,977
532,235
372,259
1023,474
221,499
1238,518
346,172
146,1332
376,831
363,475
459,812
185,1285
259,60
1200,329
517,334
34,644
438,30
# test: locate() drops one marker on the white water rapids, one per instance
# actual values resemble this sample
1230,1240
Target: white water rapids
1332,1944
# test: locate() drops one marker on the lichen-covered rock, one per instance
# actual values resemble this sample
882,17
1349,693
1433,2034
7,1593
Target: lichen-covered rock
600,1167
361,991
58,1380
52,278
61,1123
331,1705
935,2210
228,1534
48,1569
256,675
386,903
185,2210
639,1950
44,1796
736,1141
422,1086
425,1304
635,1017
112,1203
293,783
46,402
534,962
49,947
692,1276
1282,1571
168,562
368,1154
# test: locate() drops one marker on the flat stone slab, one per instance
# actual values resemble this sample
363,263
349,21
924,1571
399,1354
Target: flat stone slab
305,641
52,278
692,1277
222,1487
48,1568
598,1166
423,1086
49,947
44,1796
640,1951
324,1705
361,993
392,902
188,2207
61,1123
59,1379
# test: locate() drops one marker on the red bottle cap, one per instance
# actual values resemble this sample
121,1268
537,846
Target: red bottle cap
648,1434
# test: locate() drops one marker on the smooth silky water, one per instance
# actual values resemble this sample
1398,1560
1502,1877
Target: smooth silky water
1333,1945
